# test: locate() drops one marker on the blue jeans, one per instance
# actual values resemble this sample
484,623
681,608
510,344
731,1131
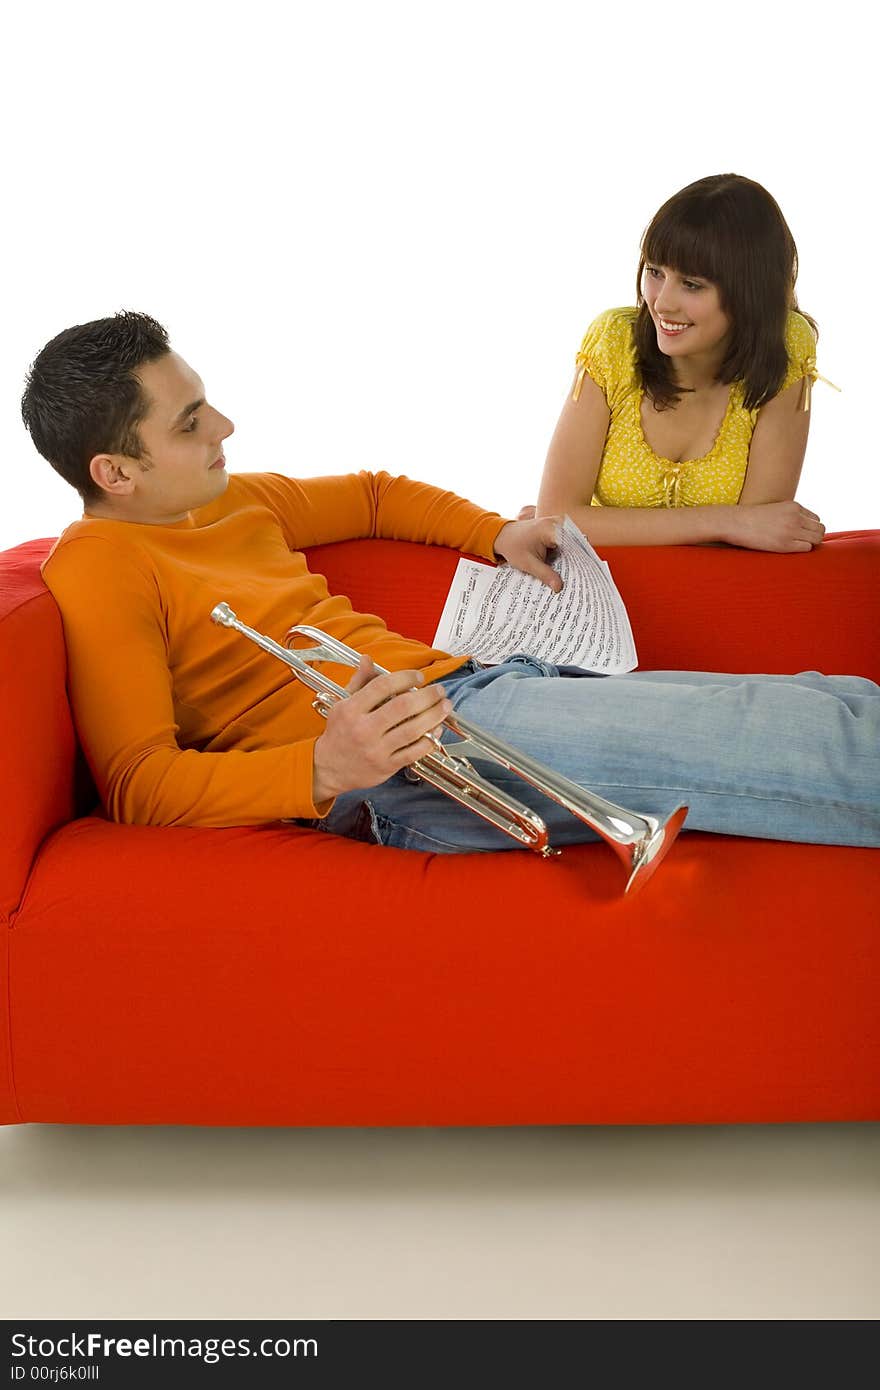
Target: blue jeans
777,757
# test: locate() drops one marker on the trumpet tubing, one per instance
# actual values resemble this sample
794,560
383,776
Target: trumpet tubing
639,841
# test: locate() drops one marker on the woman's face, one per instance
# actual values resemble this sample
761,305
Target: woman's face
687,313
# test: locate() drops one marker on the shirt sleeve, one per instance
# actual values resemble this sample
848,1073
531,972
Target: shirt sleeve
319,511
800,345
607,355
121,693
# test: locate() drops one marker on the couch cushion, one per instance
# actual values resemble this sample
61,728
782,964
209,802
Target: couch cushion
282,976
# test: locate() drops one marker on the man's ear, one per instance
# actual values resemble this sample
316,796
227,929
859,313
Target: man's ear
113,474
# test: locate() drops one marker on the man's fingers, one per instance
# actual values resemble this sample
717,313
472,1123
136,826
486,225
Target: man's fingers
412,752
387,722
424,706
545,538
539,569
416,724
376,690
547,575
365,673
390,721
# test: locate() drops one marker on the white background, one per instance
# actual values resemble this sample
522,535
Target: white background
378,231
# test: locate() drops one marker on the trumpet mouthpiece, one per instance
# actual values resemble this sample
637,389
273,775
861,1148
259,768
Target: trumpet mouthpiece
223,615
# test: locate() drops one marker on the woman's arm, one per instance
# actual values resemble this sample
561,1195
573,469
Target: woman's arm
765,519
776,455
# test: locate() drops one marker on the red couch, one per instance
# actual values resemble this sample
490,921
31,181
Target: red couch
281,976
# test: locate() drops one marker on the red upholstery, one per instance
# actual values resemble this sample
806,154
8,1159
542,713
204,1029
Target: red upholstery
279,976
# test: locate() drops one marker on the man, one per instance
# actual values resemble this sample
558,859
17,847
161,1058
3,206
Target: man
183,725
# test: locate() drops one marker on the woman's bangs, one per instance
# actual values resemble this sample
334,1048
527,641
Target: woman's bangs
688,250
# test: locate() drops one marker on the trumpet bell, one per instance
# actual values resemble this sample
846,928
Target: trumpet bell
647,856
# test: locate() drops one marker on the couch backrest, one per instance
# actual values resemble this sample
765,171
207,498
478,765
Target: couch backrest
708,608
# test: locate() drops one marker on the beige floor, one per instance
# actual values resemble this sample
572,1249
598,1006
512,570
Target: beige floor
740,1222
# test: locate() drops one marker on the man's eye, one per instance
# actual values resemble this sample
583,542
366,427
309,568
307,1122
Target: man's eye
191,427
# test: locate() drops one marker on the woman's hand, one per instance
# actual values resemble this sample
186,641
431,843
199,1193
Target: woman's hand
526,514
782,527
526,545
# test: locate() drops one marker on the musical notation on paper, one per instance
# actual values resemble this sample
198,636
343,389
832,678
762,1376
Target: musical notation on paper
490,613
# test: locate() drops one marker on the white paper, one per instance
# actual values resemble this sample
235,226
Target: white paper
491,613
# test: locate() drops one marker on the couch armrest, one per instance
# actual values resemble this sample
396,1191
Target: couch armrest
37,752
38,746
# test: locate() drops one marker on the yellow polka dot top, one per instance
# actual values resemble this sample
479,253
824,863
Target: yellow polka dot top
631,474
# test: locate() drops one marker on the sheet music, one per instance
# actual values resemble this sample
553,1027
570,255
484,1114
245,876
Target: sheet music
491,613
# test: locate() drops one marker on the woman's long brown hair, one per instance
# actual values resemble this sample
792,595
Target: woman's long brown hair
729,230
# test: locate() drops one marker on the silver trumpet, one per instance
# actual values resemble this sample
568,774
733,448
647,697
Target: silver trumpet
639,841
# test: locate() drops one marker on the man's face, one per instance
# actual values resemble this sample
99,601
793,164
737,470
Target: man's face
183,436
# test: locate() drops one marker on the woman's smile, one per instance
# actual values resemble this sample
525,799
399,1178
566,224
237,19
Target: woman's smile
671,328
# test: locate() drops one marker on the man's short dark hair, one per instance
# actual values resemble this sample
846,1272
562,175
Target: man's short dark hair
83,397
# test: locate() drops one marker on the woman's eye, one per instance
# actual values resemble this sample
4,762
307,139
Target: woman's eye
691,285
653,270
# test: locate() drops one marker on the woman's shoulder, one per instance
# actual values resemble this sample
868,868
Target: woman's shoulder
800,338
613,325
800,349
609,342
607,352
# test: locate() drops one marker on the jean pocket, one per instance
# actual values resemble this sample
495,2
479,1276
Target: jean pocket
533,667
395,835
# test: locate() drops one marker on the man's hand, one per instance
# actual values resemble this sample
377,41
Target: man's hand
525,544
381,728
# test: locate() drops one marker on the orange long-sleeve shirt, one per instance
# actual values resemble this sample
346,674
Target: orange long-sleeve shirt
182,722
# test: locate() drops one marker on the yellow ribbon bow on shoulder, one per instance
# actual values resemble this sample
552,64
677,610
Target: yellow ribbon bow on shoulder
811,375
581,363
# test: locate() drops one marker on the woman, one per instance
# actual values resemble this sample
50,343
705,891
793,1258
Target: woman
689,414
